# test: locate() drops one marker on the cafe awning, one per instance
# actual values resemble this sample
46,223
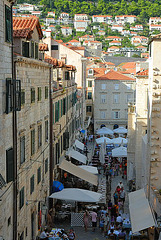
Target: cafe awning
78,195
77,155
140,212
79,145
79,172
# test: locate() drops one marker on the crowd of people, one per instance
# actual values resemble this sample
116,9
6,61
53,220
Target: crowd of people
109,218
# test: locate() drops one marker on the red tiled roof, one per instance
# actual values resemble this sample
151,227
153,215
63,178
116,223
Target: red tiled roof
115,41
22,23
143,72
22,33
113,47
43,47
74,40
113,75
111,37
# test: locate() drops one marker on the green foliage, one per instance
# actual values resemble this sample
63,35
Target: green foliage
144,9
136,56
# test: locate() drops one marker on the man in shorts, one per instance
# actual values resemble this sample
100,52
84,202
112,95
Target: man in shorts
94,220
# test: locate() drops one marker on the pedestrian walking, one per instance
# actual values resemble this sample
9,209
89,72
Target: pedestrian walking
106,223
101,223
116,197
86,219
122,195
94,220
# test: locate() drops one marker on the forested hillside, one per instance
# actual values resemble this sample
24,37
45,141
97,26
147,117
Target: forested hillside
143,9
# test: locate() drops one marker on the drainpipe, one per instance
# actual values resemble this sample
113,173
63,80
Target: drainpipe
51,138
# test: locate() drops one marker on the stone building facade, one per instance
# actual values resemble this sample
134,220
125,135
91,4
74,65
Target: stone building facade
137,131
6,136
113,91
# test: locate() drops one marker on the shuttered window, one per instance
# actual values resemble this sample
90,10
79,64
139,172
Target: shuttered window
61,107
9,165
39,136
38,175
46,130
39,94
32,184
22,97
36,51
46,92
32,142
32,95
67,76
22,149
22,196
65,140
46,165
32,49
25,49
8,96
64,106
8,25
57,111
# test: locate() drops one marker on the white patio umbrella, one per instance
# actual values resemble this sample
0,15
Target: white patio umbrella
104,130
120,130
119,152
90,169
77,194
119,140
102,139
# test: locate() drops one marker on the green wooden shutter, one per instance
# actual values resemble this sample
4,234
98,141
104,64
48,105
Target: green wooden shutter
8,25
53,114
36,51
67,103
25,49
61,107
58,111
32,49
9,165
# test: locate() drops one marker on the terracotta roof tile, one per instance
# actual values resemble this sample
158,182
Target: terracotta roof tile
143,73
43,47
113,75
22,33
29,23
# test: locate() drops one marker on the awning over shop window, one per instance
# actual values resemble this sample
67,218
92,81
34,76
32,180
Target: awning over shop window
79,145
79,172
77,155
140,212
